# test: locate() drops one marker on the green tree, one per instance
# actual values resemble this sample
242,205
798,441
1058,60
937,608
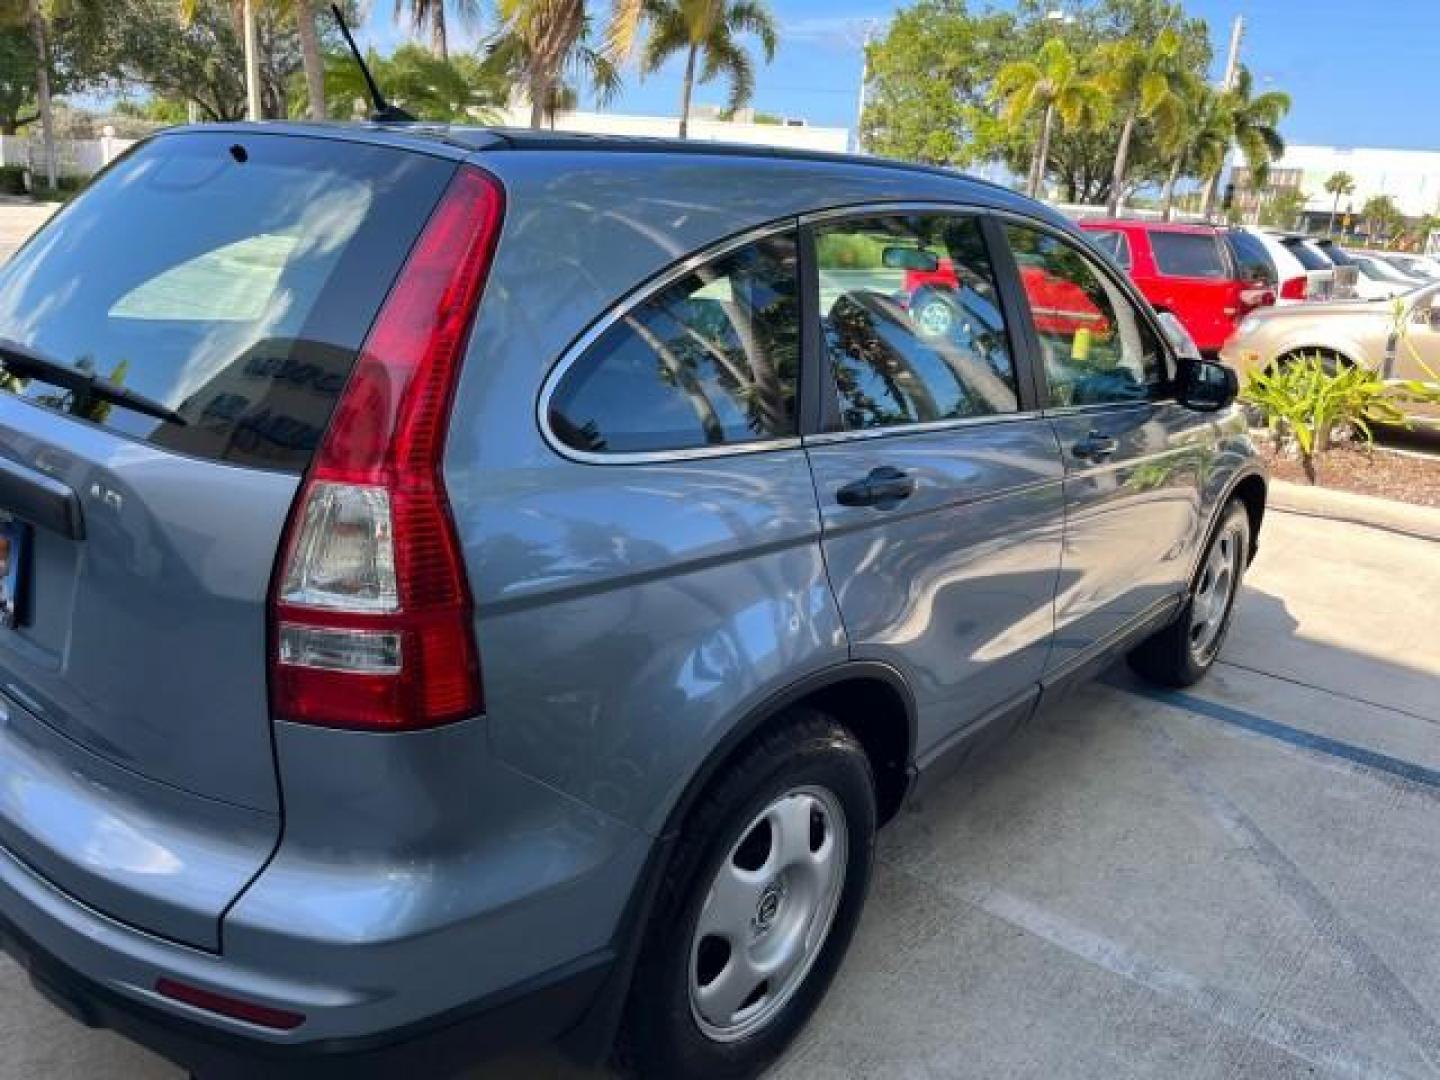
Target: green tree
454,90
1199,141
1382,218
545,44
300,13
35,17
1253,122
430,15
929,84
201,60
1338,184
1145,82
706,32
1283,209
1052,85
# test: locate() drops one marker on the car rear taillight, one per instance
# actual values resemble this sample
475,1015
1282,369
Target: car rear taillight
1294,288
1256,294
371,610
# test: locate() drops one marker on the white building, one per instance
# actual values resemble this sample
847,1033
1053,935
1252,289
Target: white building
790,134
1410,177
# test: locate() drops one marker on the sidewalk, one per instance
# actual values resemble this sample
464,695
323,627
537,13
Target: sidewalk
18,219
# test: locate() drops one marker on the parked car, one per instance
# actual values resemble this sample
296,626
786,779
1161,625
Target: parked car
1300,275
441,612
1348,281
1417,266
1188,270
1403,346
1382,275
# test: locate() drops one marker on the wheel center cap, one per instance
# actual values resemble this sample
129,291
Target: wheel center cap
768,907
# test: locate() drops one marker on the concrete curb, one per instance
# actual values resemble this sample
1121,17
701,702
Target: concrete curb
1422,522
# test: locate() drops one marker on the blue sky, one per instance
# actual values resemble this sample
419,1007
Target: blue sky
1360,74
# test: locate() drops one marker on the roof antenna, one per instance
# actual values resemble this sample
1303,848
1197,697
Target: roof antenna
384,113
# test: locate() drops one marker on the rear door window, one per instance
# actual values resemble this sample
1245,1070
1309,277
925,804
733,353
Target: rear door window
712,360
1191,255
231,278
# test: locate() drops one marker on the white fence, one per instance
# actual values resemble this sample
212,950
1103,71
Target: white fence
73,157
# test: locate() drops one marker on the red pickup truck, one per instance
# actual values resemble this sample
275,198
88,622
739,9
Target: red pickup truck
1188,270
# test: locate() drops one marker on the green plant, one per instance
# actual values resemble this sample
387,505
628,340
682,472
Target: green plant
12,179
1307,400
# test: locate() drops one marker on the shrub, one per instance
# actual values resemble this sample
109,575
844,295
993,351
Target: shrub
1307,400
12,180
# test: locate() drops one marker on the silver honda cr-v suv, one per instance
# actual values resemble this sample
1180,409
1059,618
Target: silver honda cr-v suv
465,586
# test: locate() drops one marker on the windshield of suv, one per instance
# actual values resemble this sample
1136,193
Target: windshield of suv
229,279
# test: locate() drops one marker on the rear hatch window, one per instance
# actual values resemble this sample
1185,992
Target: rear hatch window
229,278
226,282
1307,256
1252,261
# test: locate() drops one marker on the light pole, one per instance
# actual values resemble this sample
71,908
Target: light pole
252,61
869,25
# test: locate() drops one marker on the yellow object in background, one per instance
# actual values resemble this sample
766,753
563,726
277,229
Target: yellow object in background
1080,345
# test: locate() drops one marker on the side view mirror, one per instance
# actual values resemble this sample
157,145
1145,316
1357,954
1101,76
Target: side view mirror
1178,337
903,258
1206,386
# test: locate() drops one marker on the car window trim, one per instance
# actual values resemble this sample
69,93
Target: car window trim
642,294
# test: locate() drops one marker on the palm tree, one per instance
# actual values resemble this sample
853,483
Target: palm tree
311,58
310,55
706,30
1253,123
1198,142
1339,184
430,14
543,44
1052,85
33,15
1144,80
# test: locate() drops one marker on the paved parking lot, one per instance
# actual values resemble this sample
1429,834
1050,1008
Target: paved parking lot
1237,881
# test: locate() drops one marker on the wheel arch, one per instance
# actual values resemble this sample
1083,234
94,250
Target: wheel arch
1251,487
871,698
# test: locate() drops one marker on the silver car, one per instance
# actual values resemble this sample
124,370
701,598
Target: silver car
465,587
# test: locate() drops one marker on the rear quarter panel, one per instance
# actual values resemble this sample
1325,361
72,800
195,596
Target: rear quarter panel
629,615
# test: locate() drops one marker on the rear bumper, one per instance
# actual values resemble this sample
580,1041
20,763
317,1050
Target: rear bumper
426,903
527,1015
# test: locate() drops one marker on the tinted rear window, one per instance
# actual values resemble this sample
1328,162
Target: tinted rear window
231,278
1194,255
1252,261
1338,256
1308,256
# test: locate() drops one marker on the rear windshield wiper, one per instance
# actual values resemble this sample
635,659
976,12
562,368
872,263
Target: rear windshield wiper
25,363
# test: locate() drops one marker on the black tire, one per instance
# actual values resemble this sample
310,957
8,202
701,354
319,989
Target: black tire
661,1036
1169,657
